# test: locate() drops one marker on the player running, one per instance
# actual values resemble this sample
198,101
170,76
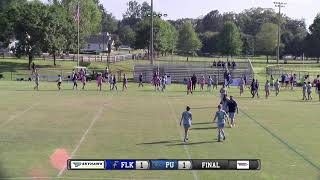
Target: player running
59,82
241,86
74,80
318,88
223,92
232,109
140,80
210,83
267,89
202,83
84,81
189,86
215,82
309,90
99,81
114,83
186,119
124,82
304,91
277,87
36,80
220,116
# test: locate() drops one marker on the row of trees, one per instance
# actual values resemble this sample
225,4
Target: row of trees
51,28
251,32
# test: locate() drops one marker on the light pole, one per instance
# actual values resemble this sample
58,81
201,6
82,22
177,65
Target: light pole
279,5
151,45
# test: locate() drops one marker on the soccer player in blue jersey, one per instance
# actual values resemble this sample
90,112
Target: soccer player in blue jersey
186,120
220,118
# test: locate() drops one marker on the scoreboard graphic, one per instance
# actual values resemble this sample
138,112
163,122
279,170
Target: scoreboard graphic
164,164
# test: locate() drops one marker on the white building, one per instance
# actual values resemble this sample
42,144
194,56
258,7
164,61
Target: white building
97,43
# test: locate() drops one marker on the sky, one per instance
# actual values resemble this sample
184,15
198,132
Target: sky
299,9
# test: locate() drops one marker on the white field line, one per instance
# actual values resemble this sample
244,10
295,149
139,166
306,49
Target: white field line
84,178
95,118
195,176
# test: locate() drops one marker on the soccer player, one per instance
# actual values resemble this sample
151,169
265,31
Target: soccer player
186,119
84,81
309,90
241,86
114,82
223,92
318,88
277,87
253,87
202,82
99,81
267,89
163,82
215,82
220,116
75,80
257,88
124,82
140,80
111,81
189,86
194,82
210,83
304,91
36,80
272,82
232,108
59,82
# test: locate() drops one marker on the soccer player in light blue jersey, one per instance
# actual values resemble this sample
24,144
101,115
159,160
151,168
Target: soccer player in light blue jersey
186,120
220,118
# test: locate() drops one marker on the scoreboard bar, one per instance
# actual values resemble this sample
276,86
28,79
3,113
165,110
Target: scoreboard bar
164,164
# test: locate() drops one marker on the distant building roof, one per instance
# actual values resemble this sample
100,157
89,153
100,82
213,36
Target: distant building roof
98,39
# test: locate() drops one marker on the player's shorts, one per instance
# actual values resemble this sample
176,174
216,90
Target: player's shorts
232,115
186,126
220,125
59,83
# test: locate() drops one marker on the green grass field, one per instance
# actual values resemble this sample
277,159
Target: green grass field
282,131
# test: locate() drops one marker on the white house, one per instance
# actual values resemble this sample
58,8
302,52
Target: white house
97,43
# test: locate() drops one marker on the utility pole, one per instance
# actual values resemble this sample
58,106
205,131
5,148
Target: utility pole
279,5
151,34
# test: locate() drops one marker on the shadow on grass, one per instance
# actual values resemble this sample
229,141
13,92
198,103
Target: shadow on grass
204,128
192,143
159,142
202,123
6,66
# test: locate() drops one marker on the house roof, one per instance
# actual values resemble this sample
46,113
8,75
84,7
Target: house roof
98,39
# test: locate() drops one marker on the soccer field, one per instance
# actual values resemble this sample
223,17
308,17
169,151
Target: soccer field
39,130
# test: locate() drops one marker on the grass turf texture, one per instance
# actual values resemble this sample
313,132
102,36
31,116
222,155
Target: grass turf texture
141,124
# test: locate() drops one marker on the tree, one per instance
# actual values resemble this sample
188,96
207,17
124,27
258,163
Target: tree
5,4
165,35
229,40
213,22
209,41
313,39
90,15
127,36
293,35
188,42
108,22
267,39
26,23
57,30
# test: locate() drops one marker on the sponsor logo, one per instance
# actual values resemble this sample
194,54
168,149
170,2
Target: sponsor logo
86,164
242,164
